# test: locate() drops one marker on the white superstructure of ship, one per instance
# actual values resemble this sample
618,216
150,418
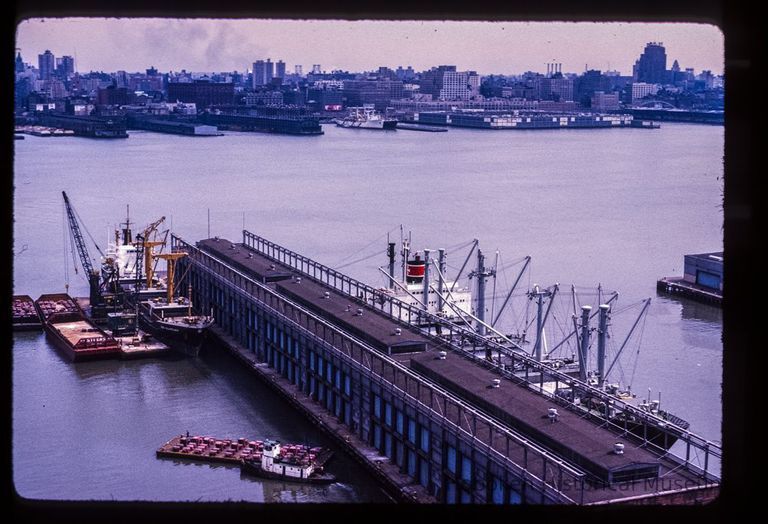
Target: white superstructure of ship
366,117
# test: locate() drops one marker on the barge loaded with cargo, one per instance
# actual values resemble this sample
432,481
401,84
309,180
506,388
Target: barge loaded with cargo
25,316
67,327
267,459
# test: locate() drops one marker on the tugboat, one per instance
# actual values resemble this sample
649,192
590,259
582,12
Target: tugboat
293,462
172,319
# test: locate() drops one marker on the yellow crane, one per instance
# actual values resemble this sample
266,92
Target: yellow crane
148,245
171,259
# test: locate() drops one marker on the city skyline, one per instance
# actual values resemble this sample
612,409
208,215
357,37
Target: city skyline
204,45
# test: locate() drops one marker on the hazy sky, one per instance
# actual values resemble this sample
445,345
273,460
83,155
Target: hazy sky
134,44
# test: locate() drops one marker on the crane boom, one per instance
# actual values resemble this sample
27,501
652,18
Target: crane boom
74,227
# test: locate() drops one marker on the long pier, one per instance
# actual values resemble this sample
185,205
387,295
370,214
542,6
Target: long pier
363,367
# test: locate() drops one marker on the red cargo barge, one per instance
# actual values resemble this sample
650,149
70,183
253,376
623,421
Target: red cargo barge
71,332
25,316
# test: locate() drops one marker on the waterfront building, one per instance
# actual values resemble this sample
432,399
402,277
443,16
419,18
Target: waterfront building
640,90
47,65
445,83
651,67
602,102
377,92
201,92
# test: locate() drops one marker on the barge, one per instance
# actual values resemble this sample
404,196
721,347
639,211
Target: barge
67,327
25,316
268,459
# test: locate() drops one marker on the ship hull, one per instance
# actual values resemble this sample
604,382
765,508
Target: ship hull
255,469
187,340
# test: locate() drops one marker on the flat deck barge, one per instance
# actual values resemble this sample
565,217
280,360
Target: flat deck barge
229,451
680,287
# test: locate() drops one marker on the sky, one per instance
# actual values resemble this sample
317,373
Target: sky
208,45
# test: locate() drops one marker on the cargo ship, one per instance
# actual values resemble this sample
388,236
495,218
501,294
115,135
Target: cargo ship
366,117
25,316
172,319
71,332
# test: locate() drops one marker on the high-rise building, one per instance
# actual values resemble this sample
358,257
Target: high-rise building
651,67
280,70
298,70
263,71
47,64
65,67
316,69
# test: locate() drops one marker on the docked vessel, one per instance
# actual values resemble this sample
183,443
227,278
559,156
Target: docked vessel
172,318
297,463
70,331
419,288
25,316
366,117
267,459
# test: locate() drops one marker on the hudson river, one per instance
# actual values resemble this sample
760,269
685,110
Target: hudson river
618,208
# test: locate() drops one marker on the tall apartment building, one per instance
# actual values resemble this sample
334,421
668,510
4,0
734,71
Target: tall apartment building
263,71
46,65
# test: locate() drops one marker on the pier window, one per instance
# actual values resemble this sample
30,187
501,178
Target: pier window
347,413
411,464
320,366
515,497
347,385
423,472
337,379
497,491
412,431
388,444
312,388
466,469
450,492
425,439
399,423
320,392
388,414
329,399
311,361
377,406
400,453
337,408
466,498
450,459
377,436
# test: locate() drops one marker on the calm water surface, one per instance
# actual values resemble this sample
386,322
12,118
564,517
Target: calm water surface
617,208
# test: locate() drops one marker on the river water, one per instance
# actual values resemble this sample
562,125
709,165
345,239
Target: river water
615,208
